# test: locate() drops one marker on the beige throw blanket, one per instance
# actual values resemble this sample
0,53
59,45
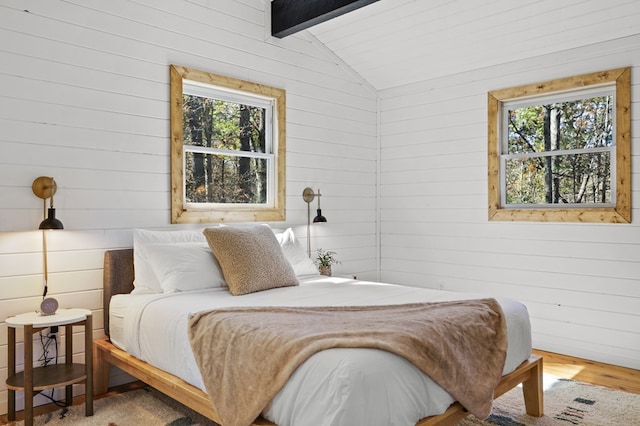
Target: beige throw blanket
246,355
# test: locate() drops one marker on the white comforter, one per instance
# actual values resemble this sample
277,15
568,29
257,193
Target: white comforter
334,387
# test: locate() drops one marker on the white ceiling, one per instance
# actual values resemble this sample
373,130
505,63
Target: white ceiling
396,42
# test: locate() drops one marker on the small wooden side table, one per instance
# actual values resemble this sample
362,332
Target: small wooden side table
52,376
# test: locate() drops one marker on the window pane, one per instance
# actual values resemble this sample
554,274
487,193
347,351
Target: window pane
222,124
567,179
578,124
225,179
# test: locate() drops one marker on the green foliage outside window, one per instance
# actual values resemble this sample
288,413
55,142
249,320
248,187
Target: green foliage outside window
560,153
223,142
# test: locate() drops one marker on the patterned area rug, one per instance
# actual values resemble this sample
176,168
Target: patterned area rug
567,403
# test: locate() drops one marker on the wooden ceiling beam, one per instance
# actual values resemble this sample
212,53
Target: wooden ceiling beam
291,16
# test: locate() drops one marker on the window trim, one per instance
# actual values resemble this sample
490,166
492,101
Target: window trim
182,212
621,213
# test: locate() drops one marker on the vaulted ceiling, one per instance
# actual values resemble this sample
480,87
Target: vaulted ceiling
397,42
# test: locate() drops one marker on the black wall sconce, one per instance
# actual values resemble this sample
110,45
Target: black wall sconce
45,187
308,196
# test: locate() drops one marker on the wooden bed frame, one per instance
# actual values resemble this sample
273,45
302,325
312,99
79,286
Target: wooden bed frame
118,279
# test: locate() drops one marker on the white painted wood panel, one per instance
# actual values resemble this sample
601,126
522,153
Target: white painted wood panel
85,89
580,280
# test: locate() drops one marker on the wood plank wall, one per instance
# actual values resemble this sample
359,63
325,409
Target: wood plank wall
84,98
581,282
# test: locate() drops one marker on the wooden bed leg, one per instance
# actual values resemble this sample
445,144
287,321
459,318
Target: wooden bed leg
101,369
533,391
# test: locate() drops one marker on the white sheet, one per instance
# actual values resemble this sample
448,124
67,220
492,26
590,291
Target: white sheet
334,387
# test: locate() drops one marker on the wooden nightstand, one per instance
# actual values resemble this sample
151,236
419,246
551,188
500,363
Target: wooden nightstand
52,376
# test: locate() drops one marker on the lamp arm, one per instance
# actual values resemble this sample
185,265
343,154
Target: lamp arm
308,230
46,268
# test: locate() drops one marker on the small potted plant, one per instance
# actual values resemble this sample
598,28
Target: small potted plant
324,260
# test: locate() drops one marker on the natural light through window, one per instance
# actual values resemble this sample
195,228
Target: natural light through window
560,150
227,146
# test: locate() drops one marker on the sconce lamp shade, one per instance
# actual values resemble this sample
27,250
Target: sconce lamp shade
51,222
319,218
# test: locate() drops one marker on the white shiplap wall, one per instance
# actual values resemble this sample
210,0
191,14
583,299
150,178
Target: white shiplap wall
581,282
84,92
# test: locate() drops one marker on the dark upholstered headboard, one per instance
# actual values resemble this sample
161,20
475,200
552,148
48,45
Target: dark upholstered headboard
117,279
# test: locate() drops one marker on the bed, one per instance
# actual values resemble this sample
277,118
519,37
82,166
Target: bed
134,323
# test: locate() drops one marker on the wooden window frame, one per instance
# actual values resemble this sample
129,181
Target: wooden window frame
621,213
180,211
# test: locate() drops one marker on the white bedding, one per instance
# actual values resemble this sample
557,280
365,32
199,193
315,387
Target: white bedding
334,387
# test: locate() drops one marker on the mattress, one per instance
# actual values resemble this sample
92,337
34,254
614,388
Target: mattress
334,387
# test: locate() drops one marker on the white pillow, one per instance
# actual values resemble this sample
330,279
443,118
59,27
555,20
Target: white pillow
145,280
295,254
184,266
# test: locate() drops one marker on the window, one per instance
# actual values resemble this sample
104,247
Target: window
560,150
227,149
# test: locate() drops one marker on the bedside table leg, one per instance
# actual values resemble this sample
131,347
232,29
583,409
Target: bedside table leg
88,364
28,375
11,370
68,359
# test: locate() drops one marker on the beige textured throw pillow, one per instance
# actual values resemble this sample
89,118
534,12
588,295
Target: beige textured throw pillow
250,258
